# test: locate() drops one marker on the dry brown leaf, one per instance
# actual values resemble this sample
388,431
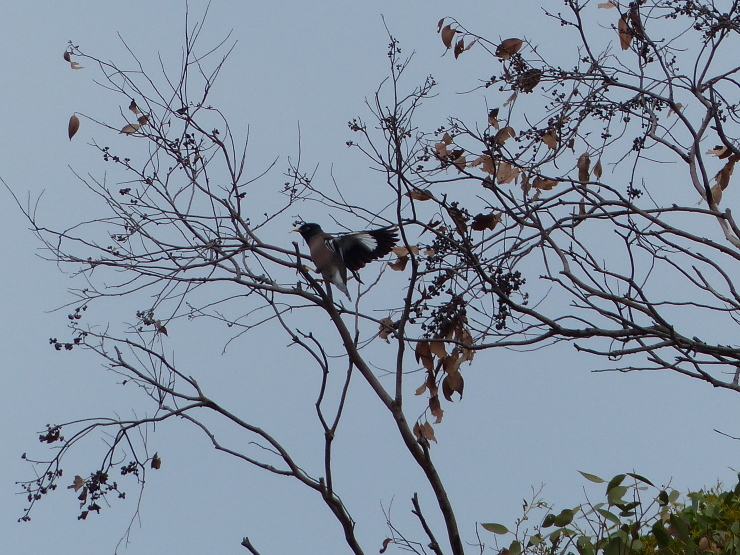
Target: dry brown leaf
424,355
156,462
551,139
389,540
400,264
403,251
716,193
468,47
439,25
424,431
671,111
448,33
504,134
625,33
436,409
428,431
77,484
420,194
441,149
526,185
452,383
493,118
511,99
583,165
130,128
133,107
421,389
723,175
387,325
447,139
598,169
486,163
459,162
73,126
143,120
721,151
508,48
528,80
159,327
506,173
67,57
459,48
485,221
437,348
607,5
543,184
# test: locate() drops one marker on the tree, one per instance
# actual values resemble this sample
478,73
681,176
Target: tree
565,239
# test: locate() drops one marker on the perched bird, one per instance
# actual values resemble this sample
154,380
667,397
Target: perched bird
333,255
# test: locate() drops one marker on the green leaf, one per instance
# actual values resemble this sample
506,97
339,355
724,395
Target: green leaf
609,516
614,482
495,528
663,498
636,545
584,545
534,540
641,478
662,537
548,521
615,546
615,494
673,496
515,548
592,477
564,518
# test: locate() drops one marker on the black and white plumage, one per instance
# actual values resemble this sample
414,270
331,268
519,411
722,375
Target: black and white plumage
333,255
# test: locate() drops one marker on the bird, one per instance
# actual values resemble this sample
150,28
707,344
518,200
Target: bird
333,255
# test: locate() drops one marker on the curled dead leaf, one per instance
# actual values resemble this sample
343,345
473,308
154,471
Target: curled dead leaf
133,107
389,540
493,118
583,165
486,221
130,128
403,251
156,463
387,325
143,120
625,33
504,134
459,48
486,163
543,184
527,81
400,264
508,48
439,25
67,56
459,162
435,407
511,99
73,126
77,484
420,194
551,139
159,327
598,169
437,348
452,383
424,355
607,5
448,33
506,173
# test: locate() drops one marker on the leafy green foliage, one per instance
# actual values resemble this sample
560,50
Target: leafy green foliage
637,518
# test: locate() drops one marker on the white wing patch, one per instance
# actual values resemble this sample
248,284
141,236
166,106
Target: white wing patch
367,241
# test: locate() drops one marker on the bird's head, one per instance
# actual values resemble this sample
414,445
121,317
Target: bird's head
308,230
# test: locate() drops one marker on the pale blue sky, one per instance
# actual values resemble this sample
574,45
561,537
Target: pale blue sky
527,418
